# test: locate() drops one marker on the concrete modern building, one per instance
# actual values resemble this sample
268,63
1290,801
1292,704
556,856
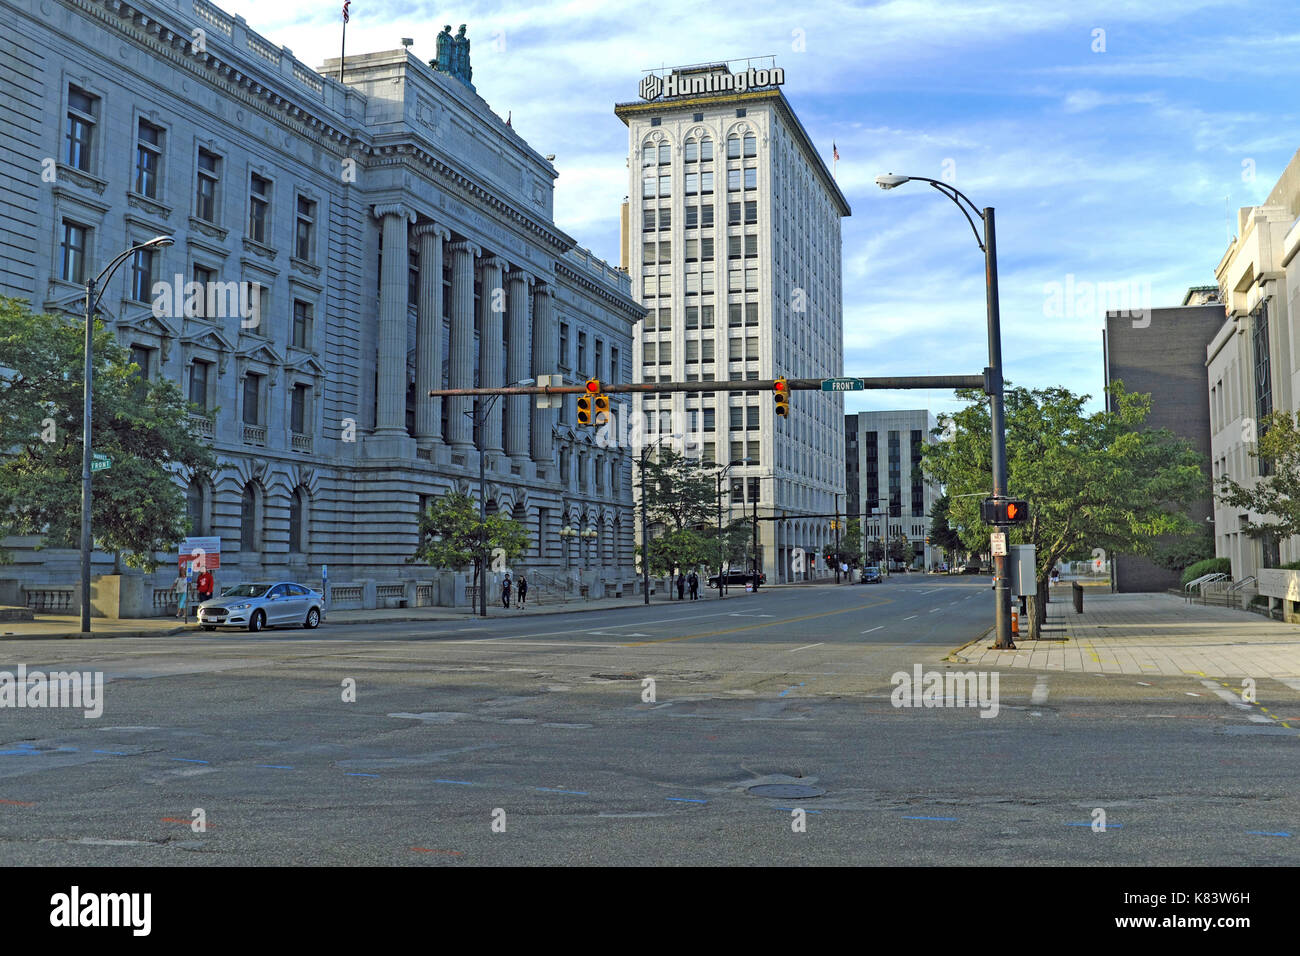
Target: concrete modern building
1252,363
732,239
1162,352
391,234
885,489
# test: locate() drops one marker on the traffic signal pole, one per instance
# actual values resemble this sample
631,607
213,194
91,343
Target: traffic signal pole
997,417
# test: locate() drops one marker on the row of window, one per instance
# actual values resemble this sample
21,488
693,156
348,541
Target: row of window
252,516
698,150
149,174
660,219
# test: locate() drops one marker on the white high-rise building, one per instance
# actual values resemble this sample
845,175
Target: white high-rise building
732,241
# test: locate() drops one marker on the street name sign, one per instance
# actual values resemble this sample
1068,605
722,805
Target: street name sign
842,385
100,462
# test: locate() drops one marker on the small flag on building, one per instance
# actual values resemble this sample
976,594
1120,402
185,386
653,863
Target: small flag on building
835,151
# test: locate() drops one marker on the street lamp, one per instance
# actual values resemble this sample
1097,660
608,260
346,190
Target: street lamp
568,532
479,420
645,535
722,585
997,411
92,305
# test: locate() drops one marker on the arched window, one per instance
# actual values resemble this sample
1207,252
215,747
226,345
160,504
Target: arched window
733,146
196,508
706,150
617,542
250,518
649,155
665,154
691,151
751,145
298,521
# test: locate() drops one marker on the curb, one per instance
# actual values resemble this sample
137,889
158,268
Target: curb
94,635
955,654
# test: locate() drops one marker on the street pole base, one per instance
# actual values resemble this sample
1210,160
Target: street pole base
1005,647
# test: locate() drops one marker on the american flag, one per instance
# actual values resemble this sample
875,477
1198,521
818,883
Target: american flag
346,4
835,152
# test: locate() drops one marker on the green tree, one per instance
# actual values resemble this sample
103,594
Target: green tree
851,542
679,493
451,535
683,548
1099,480
1275,496
137,505
942,534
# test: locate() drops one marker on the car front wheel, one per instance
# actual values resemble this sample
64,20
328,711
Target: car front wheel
313,619
256,622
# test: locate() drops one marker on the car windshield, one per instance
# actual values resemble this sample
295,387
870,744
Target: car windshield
246,590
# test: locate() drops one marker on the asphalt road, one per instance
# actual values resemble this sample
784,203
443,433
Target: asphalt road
546,724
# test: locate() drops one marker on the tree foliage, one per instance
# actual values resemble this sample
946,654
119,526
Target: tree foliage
683,548
452,536
679,493
1275,496
942,534
137,505
1097,480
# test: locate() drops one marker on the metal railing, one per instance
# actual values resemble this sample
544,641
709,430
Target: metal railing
1193,589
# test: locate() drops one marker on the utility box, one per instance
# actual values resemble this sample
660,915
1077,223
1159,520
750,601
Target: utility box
1021,570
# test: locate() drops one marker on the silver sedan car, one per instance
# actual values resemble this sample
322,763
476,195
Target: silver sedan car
257,606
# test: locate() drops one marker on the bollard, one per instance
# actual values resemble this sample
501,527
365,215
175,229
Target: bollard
1077,588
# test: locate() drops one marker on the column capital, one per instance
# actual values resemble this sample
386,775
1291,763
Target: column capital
542,288
433,229
393,209
464,245
517,274
493,262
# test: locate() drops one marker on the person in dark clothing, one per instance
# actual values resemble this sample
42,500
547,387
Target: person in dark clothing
693,582
505,592
522,591
681,586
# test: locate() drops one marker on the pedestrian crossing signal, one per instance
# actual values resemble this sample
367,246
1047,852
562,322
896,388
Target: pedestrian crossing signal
781,391
1004,511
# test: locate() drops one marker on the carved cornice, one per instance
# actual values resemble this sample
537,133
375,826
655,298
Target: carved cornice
79,178
265,251
211,230
151,206
625,305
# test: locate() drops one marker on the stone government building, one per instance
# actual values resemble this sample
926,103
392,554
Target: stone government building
382,219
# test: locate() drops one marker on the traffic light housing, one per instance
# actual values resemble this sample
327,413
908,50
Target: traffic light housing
600,406
781,391
1004,511
586,400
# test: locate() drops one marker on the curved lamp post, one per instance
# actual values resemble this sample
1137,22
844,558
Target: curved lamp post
997,410
94,289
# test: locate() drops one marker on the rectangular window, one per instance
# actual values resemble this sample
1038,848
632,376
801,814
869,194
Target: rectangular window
665,187
80,131
259,205
751,212
692,250
692,352
692,317
706,149
710,416
707,453
751,177
648,187
706,216
301,324
298,410
198,307
648,220
665,320
692,217
751,348
735,313
737,453
706,350
706,183
306,228
692,153
707,281
733,213
649,252
737,420
706,316
665,219
599,371
252,399
733,147
735,351
665,353
205,199
751,313
665,154
1263,375
199,385
733,180
692,184
140,357
72,252
148,158
751,246
615,373
706,249
751,280
142,272
564,346
582,353
735,247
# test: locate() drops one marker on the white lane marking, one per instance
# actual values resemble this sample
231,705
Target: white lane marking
909,618
934,610
502,640
878,627
1039,694
932,590
805,647
1292,682
1229,697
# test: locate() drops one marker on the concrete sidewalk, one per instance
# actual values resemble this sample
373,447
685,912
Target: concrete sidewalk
1148,634
67,626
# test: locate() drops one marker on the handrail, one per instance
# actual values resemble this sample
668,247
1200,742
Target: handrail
1242,583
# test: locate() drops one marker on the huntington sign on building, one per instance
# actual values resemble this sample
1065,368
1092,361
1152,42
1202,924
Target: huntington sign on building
732,240
388,235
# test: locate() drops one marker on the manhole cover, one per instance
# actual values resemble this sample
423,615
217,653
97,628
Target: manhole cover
786,790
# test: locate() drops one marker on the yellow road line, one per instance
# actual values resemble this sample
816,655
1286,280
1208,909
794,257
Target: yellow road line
750,627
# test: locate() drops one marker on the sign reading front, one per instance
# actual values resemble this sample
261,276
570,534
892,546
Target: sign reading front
677,83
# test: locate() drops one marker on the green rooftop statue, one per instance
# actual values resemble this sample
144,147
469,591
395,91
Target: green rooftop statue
443,61
453,55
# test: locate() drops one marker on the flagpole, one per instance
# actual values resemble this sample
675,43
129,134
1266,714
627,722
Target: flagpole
343,48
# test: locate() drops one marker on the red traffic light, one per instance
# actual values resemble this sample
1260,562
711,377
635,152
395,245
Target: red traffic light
779,385
593,385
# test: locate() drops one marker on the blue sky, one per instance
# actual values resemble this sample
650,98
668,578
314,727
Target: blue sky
1114,165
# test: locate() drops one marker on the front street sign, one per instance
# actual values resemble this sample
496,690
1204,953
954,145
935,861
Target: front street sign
100,462
842,385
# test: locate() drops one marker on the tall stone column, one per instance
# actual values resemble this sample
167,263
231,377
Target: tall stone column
460,374
545,362
491,346
518,359
390,411
428,332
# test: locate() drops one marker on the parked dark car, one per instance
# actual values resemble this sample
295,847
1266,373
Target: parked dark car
869,575
971,568
739,579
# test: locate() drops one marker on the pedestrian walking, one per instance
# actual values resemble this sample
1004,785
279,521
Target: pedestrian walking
681,586
205,585
505,592
693,582
181,586
522,590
